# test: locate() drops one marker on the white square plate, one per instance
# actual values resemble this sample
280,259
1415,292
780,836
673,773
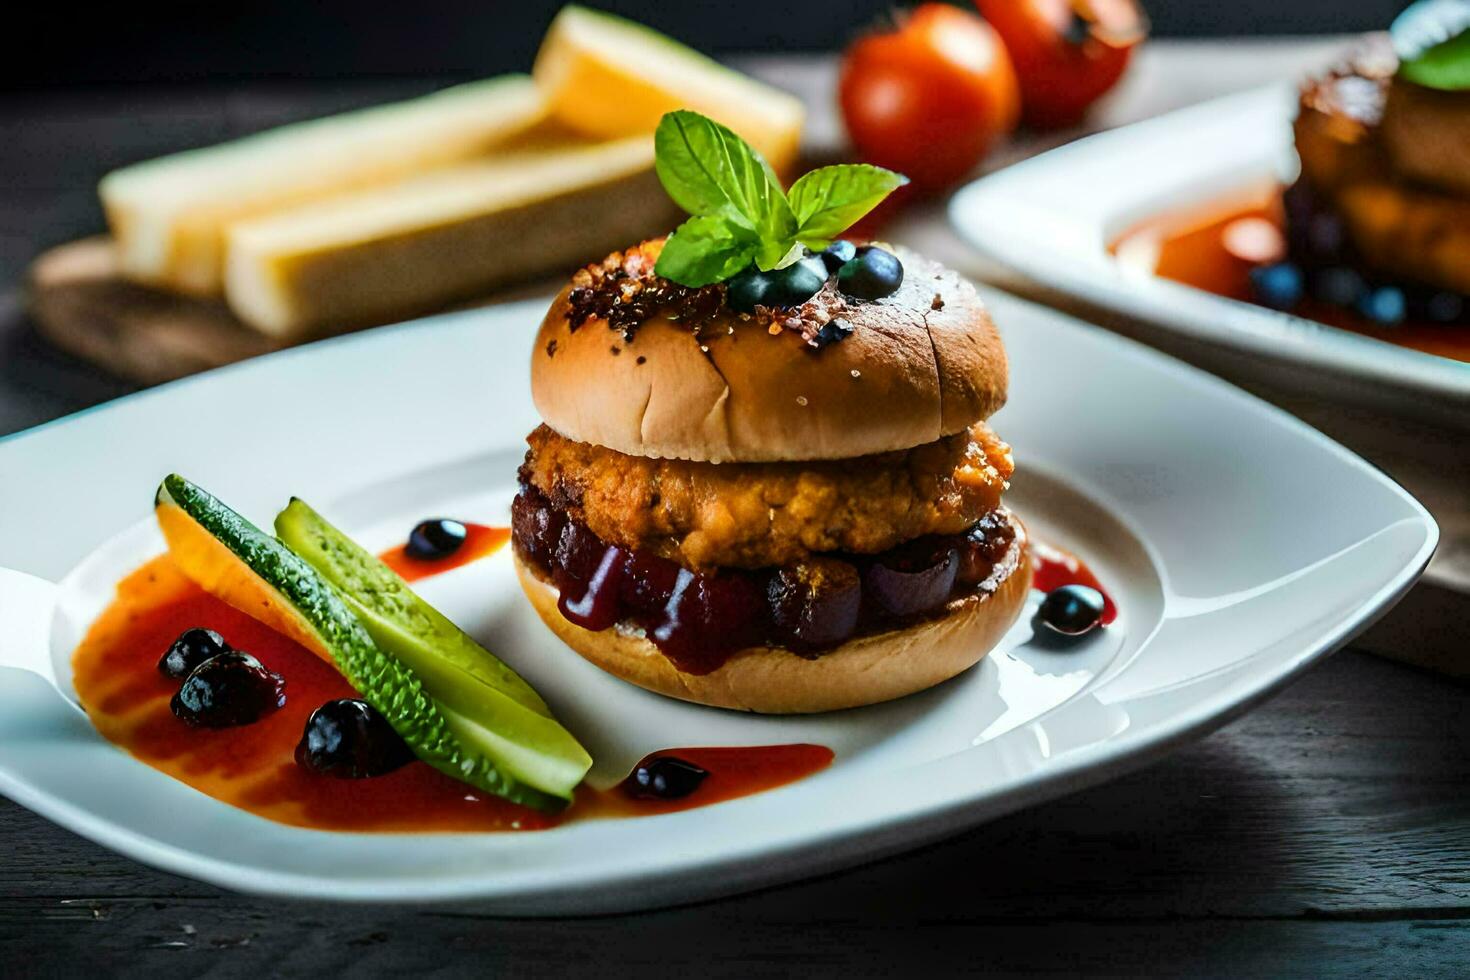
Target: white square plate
1240,545
1052,217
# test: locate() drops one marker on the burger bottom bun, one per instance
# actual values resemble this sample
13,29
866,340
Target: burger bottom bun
865,670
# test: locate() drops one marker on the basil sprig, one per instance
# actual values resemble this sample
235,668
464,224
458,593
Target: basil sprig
1432,40
740,214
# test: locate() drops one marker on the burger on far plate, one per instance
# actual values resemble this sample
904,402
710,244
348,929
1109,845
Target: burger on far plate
765,481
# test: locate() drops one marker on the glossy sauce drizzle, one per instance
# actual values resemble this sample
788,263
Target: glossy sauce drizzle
480,541
1189,246
733,773
1052,568
252,767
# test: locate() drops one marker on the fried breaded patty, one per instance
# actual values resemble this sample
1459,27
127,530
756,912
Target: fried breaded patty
754,515
1356,130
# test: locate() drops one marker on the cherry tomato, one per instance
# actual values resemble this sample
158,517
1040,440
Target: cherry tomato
929,97
1067,53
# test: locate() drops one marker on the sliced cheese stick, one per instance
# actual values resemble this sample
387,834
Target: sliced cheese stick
608,77
168,215
394,251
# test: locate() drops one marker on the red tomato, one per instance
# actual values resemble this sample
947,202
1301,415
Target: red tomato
1067,53
930,97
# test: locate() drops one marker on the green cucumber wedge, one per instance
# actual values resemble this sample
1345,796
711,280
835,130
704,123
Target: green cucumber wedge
234,560
487,705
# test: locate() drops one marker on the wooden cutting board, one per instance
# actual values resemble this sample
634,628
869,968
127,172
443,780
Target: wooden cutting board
83,305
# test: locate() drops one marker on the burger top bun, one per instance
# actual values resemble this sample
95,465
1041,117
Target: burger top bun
920,364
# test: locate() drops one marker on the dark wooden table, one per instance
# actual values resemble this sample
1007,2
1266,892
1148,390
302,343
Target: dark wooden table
1325,834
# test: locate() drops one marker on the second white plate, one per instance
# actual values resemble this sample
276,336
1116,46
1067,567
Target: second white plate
1052,218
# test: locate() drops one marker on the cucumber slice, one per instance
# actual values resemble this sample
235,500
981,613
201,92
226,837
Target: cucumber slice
233,559
392,612
488,706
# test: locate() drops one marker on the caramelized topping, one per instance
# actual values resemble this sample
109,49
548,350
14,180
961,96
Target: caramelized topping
623,290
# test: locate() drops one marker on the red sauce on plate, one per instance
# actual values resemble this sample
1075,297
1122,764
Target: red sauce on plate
733,772
1052,568
253,766
479,542
1191,246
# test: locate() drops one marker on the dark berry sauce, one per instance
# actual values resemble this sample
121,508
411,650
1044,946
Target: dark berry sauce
698,619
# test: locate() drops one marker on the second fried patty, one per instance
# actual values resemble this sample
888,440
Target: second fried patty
754,515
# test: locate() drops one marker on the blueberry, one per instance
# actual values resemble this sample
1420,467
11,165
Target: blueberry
748,290
1444,308
191,649
833,331
1278,285
436,538
1338,285
872,274
1071,610
229,689
664,778
1301,205
349,739
814,604
1384,305
838,253
1326,235
798,282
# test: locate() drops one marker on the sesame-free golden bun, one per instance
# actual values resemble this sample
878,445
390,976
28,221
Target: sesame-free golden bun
865,670
920,364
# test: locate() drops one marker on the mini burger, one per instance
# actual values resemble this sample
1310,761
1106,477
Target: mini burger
765,480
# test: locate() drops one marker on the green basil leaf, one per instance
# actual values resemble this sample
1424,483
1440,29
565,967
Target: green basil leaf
708,170
1445,66
776,253
705,249
687,164
793,255
1432,40
829,200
